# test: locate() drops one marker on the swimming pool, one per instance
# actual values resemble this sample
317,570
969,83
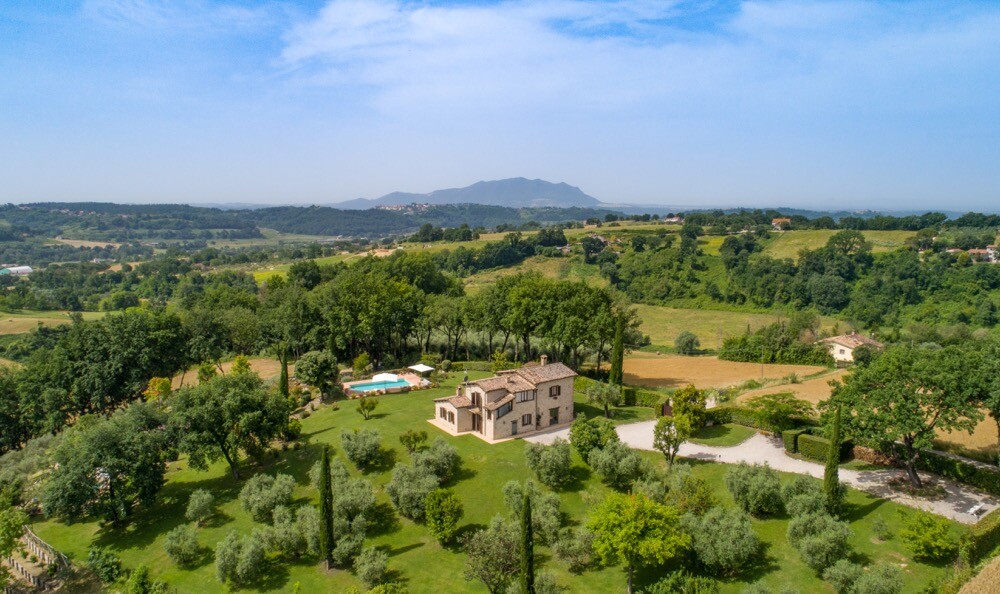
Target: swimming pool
372,386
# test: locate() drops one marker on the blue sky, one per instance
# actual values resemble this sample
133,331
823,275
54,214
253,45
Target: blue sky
892,105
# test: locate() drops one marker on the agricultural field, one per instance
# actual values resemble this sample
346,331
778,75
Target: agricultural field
23,321
267,368
571,268
986,582
663,324
413,554
788,244
672,371
85,243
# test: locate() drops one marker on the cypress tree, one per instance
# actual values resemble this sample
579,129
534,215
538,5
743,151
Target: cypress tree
325,508
831,477
283,380
618,354
527,548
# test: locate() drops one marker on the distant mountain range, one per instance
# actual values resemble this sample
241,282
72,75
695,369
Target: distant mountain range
516,192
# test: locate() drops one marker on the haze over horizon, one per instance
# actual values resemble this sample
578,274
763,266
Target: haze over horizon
819,105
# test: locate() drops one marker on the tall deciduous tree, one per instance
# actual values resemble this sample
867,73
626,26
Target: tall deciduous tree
318,369
226,415
108,467
635,531
906,394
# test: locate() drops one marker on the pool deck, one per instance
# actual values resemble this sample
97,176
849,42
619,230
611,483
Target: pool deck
413,379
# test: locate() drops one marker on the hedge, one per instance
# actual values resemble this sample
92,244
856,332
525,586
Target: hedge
982,539
650,399
815,447
790,438
733,414
980,477
628,396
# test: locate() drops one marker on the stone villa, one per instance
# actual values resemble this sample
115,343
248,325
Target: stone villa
513,403
842,347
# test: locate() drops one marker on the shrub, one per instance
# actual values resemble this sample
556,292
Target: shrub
688,493
806,503
227,556
441,459
367,406
820,539
200,506
756,489
308,523
105,564
286,536
545,515
881,529
362,447
263,492
589,434
928,537
682,582
842,575
723,539
292,431
250,565
370,566
443,509
815,447
687,343
881,579
628,396
575,547
550,463
982,538
408,490
181,545
139,582
618,464
413,440
777,412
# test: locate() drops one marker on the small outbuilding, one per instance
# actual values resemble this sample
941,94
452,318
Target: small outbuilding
421,369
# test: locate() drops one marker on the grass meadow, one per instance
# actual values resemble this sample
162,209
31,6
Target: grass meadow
414,555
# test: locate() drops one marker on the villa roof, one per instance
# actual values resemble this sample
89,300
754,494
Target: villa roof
506,381
854,340
537,374
456,401
498,403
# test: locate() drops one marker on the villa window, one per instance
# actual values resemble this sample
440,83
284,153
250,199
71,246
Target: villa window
555,391
842,351
475,399
451,417
525,396
506,408
526,420
444,413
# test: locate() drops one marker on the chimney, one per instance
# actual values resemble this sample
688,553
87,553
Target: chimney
545,359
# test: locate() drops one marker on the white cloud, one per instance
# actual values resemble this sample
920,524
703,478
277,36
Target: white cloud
190,16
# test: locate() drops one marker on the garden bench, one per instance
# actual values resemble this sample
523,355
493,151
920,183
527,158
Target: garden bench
976,509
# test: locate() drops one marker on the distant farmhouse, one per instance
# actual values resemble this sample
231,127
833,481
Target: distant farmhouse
781,224
842,347
513,403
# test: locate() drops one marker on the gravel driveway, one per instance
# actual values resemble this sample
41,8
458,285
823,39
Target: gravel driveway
764,449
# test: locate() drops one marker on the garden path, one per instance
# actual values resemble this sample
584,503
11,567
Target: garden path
760,449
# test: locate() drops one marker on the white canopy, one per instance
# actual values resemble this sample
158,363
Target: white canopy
421,368
386,377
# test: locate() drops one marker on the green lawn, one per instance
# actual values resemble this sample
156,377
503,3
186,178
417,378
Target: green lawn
789,243
663,324
420,561
725,436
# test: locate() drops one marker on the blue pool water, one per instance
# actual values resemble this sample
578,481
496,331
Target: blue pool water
372,386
